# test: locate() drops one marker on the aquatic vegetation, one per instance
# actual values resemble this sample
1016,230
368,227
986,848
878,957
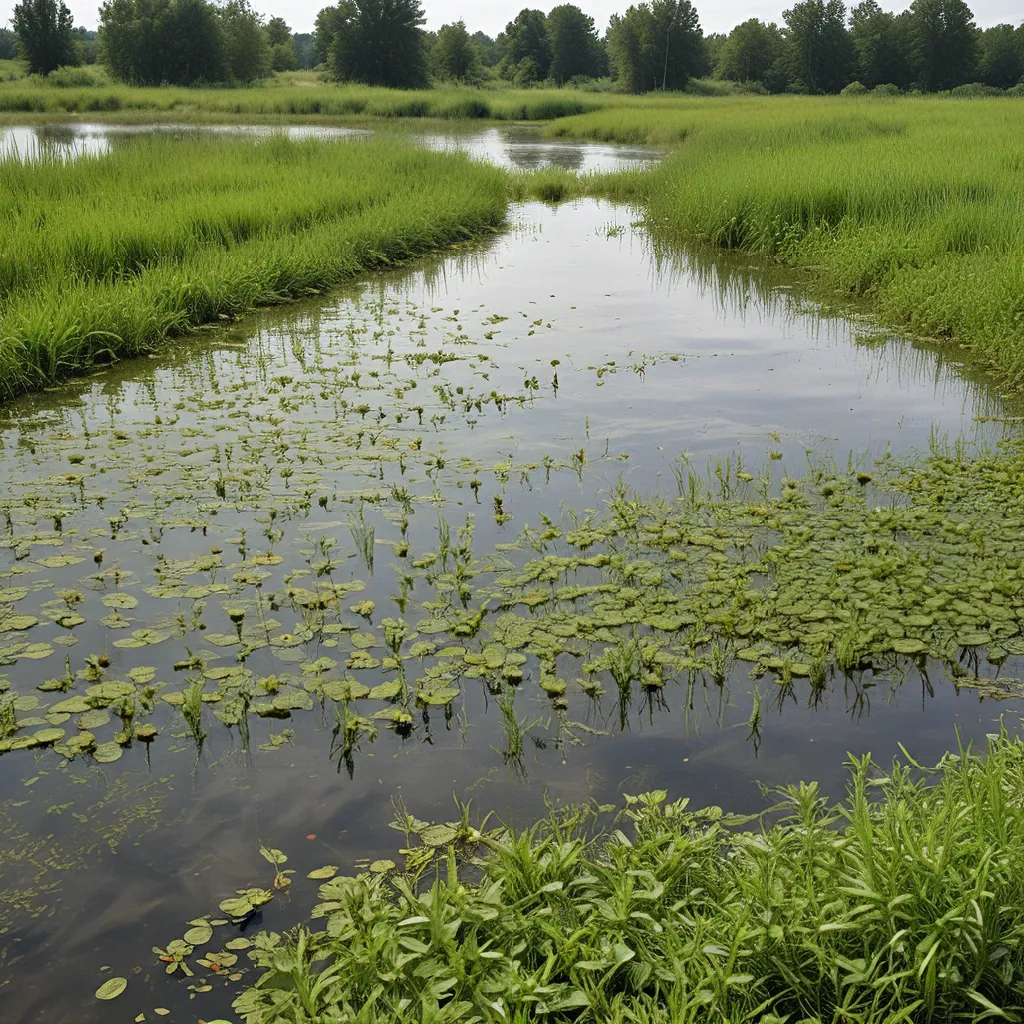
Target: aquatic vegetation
311,98
902,899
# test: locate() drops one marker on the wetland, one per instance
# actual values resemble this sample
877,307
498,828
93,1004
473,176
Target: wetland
565,513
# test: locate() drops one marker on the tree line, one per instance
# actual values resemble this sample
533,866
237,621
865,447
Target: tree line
821,46
160,42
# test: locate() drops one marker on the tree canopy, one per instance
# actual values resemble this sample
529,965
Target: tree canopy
183,42
754,52
8,44
656,45
944,43
575,48
44,29
821,52
376,42
454,56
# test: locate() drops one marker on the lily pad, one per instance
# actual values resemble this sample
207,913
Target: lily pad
108,753
112,988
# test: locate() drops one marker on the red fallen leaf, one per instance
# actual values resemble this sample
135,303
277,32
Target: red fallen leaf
312,835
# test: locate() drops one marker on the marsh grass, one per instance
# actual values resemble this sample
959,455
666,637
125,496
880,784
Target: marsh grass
901,903
912,206
296,96
106,256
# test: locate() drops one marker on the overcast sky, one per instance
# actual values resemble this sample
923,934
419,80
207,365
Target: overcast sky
492,15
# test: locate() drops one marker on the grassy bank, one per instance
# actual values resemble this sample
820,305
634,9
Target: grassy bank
303,98
902,903
913,205
106,256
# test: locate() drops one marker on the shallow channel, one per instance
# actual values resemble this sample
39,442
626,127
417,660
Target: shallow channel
198,524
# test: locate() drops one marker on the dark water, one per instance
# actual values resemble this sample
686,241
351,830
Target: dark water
224,447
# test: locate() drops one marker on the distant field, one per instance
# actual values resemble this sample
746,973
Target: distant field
159,236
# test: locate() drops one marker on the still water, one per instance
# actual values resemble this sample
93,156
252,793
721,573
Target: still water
233,520
515,147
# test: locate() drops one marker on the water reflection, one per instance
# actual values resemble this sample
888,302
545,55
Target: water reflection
214,506
515,148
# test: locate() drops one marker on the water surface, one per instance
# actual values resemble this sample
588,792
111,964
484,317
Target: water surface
515,147
237,473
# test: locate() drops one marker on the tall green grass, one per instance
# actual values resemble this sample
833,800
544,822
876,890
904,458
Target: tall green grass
309,99
905,902
914,205
105,256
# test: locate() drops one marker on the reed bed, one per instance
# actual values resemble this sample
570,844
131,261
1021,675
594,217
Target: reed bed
106,256
904,902
914,205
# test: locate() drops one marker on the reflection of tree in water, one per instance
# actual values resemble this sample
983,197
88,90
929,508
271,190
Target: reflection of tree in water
527,152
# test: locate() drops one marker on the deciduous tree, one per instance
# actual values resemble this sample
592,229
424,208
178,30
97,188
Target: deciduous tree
1002,56
44,30
246,50
454,56
8,44
881,46
379,42
820,49
656,45
752,53
575,47
945,43
526,38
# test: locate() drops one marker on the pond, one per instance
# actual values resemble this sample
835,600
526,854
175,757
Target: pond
265,585
516,147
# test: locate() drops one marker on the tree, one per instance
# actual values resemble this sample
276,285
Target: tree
246,50
656,45
305,56
87,43
1001,63
44,30
526,38
157,42
379,42
487,48
574,45
881,47
282,46
752,53
945,43
454,57
8,44
820,49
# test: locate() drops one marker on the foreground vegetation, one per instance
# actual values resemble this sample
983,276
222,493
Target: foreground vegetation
901,903
165,234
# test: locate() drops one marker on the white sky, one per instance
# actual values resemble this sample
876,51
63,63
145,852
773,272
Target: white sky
492,15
